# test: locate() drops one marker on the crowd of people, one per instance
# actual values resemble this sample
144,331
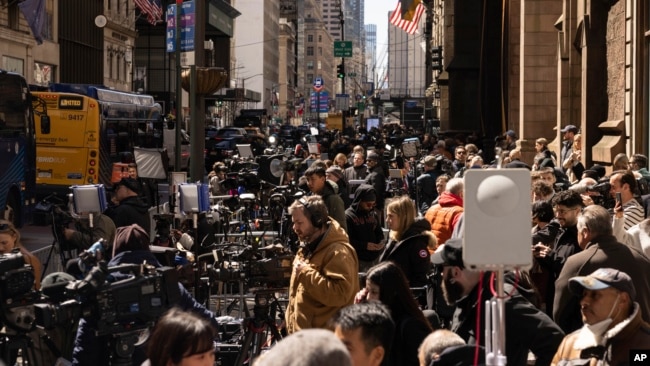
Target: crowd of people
380,243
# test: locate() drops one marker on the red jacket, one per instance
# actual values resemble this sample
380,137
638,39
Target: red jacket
444,216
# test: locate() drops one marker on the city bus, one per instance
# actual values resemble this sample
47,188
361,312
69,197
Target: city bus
89,130
17,148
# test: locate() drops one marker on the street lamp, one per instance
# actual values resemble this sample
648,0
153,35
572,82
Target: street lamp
243,80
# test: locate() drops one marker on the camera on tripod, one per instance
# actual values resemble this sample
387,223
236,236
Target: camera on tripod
16,292
272,272
135,297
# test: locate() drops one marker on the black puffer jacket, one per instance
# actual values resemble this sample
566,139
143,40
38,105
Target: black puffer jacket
411,253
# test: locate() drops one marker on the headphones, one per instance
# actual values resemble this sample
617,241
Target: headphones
315,217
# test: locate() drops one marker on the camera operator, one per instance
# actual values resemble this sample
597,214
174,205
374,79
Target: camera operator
215,177
83,236
129,208
10,241
131,247
325,270
146,192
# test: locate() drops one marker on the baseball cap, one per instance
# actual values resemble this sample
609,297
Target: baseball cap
335,171
129,183
449,254
511,133
571,128
603,278
373,156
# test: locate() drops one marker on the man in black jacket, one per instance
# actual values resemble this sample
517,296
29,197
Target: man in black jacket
567,206
364,227
328,190
129,207
526,327
376,178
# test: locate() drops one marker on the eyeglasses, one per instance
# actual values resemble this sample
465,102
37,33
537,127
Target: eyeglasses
563,211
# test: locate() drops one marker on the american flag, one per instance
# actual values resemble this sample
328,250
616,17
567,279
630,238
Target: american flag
407,26
152,8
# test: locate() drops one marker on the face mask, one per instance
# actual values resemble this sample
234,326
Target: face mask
592,335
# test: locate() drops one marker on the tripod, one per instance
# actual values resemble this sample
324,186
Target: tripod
13,345
260,329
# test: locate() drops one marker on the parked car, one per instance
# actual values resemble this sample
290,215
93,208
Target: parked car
222,143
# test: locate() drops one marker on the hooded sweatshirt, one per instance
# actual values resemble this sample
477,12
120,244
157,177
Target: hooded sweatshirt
363,226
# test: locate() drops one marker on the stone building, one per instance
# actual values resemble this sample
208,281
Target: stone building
534,66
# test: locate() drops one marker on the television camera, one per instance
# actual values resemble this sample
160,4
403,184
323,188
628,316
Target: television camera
16,292
268,266
600,193
115,300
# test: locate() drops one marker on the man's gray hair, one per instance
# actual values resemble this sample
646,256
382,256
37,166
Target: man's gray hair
437,342
597,219
455,186
308,347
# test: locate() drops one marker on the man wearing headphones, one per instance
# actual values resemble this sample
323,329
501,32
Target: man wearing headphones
325,270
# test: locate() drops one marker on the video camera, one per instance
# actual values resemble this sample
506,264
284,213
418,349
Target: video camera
602,196
273,272
114,300
16,292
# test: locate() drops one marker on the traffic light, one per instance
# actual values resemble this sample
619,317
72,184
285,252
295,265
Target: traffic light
436,58
340,71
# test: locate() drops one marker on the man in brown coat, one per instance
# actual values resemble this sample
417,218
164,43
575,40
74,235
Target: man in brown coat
612,321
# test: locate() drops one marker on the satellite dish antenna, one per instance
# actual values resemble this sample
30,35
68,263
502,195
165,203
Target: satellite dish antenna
100,21
276,168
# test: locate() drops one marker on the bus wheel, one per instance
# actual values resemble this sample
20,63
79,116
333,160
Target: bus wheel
12,210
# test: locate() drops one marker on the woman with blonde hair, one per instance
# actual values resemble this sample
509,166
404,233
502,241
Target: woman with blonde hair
573,163
341,160
10,240
410,239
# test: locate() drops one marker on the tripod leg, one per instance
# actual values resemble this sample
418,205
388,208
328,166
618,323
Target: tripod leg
49,258
243,353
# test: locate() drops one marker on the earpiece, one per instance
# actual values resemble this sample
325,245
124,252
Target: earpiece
316,219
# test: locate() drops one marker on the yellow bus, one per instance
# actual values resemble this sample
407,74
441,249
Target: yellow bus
89,130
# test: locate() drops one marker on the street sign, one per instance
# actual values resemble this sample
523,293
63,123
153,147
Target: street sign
342,48
318,83
352,74
186,27
320,99
342,102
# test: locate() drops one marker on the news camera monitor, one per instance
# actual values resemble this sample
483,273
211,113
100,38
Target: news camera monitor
245,151
410,147
313,148
194,197
372,122
395,173
89,198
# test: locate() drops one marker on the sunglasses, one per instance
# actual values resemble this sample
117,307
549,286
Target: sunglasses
5,227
